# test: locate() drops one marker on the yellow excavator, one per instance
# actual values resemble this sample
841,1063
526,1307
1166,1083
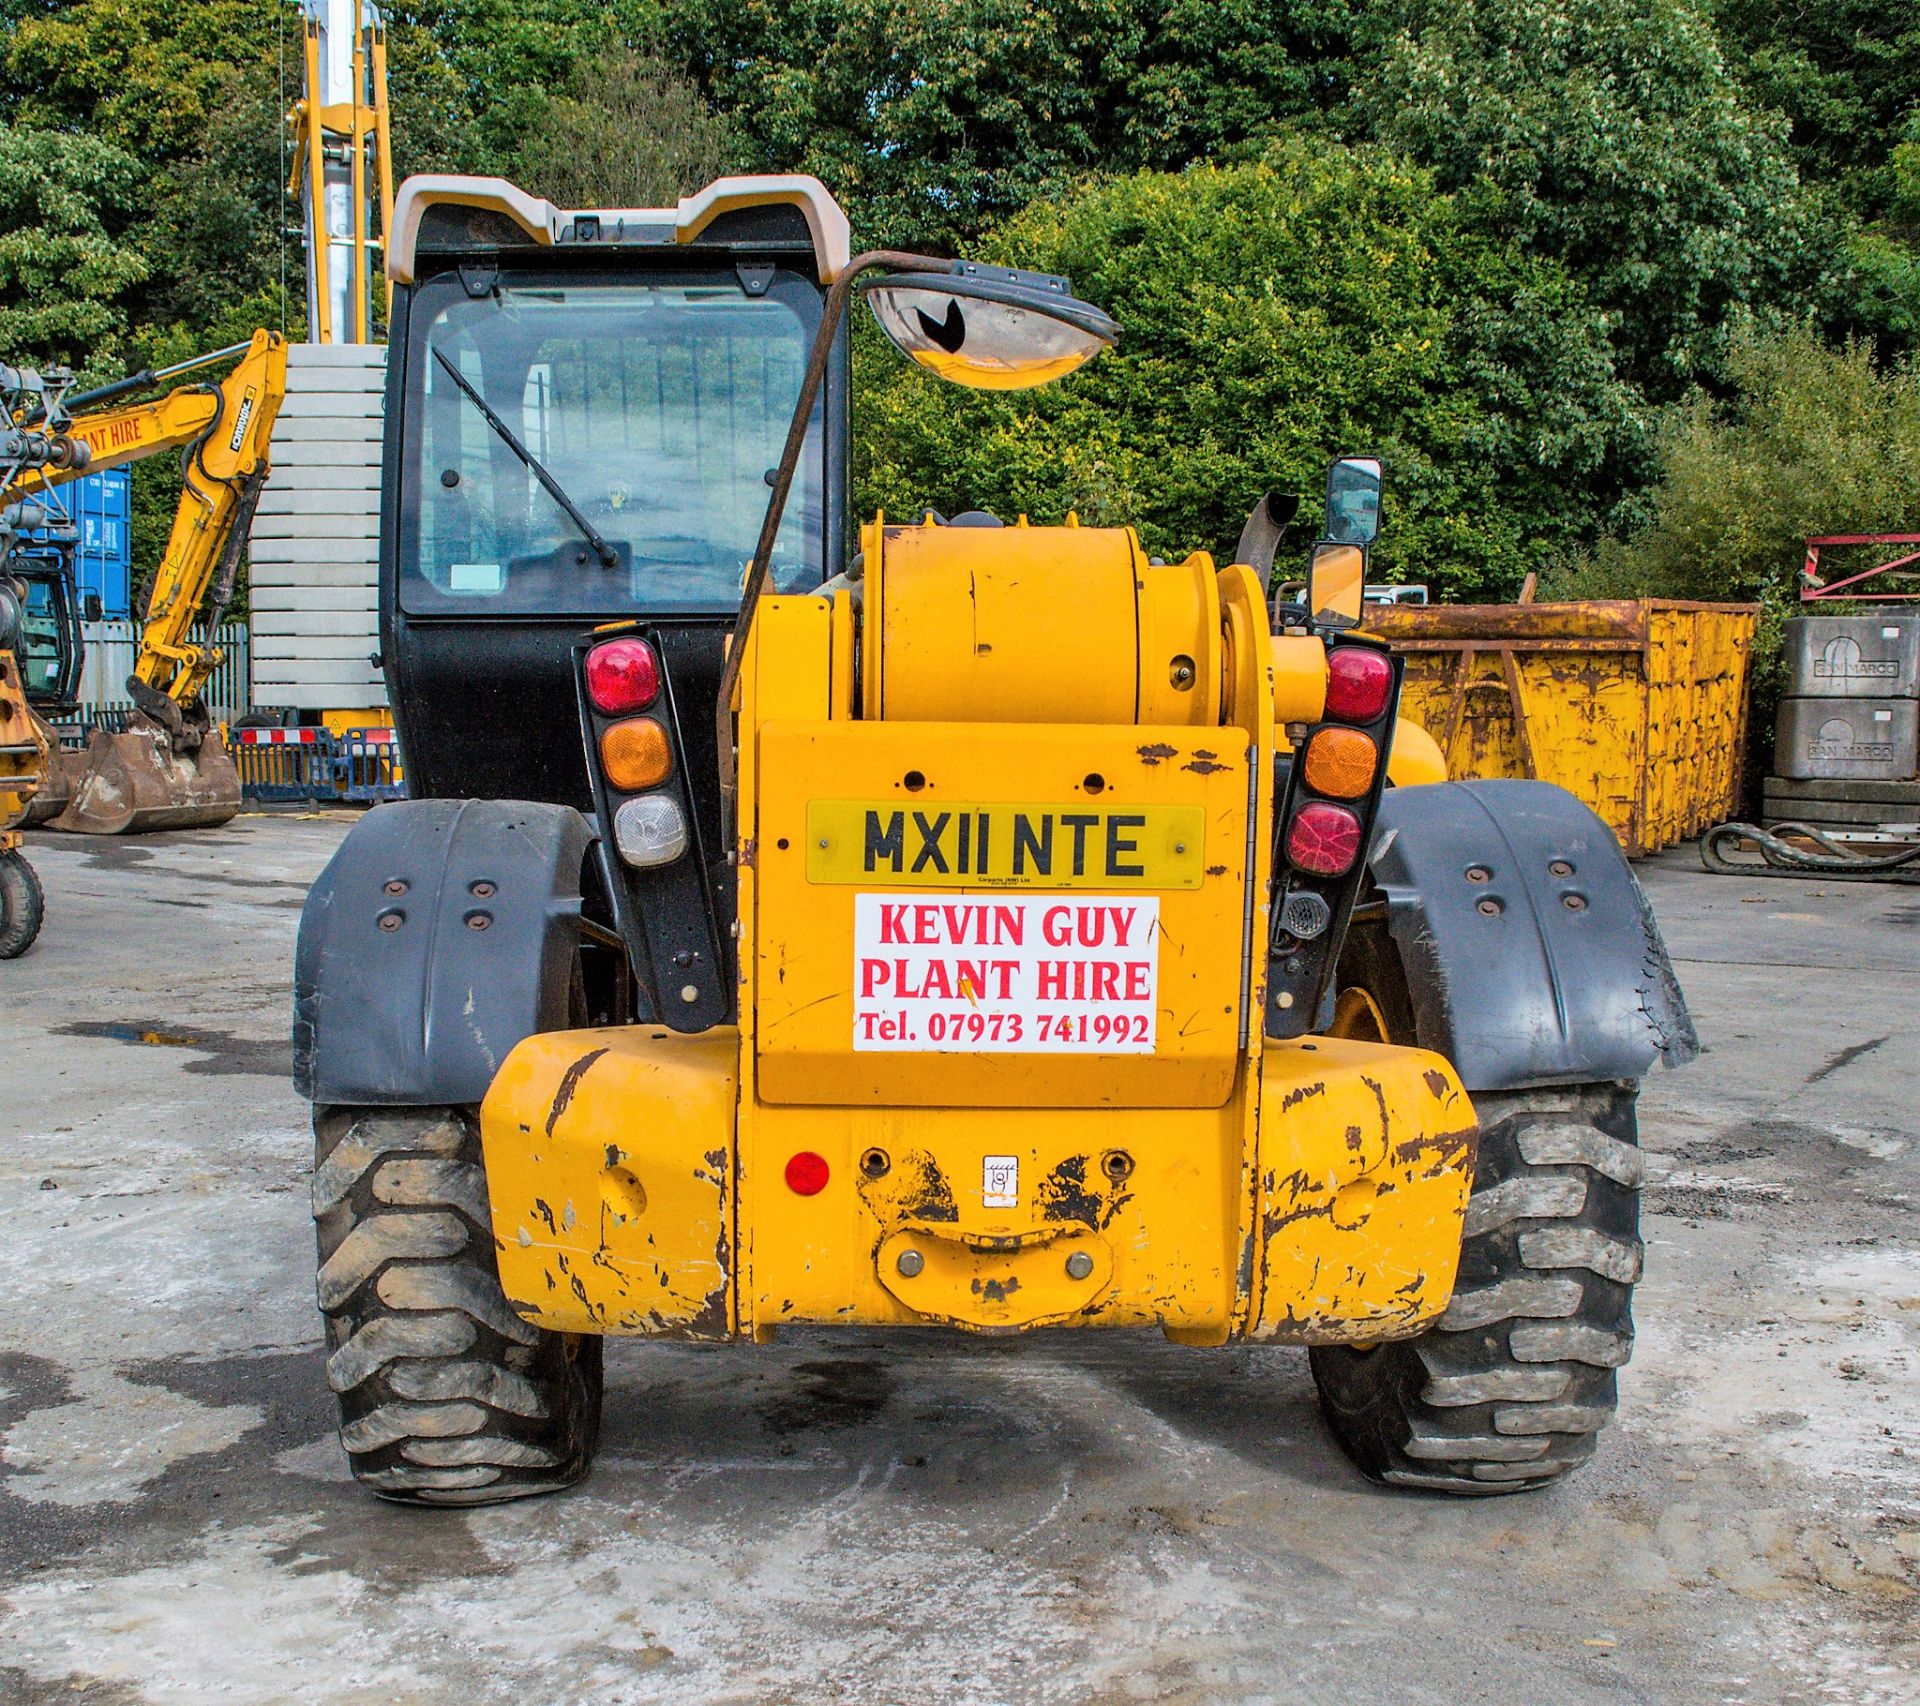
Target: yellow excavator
30,648
169,769
26,748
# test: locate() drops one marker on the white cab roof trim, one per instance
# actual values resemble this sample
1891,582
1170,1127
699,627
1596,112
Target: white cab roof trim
544,223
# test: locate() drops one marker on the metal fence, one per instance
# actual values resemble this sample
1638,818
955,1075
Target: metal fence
110,651
281,765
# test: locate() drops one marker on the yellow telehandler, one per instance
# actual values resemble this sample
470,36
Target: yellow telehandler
169,769
955,923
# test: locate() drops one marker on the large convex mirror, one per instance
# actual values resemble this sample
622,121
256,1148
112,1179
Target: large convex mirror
1353,501
1336,584
992,328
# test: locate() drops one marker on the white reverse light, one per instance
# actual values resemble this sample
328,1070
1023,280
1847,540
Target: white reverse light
649,831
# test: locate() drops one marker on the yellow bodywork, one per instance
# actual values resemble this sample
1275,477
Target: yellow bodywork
1636,706
26,748
1053,761
1327,1209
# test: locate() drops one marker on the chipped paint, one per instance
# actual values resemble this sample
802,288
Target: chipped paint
1333,1215
1636,707
914,1190
593,1268
1360,1242
1065,1195
570,1082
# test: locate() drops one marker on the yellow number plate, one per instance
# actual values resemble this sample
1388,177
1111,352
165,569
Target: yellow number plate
962,844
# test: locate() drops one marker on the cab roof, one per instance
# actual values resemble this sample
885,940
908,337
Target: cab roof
763,214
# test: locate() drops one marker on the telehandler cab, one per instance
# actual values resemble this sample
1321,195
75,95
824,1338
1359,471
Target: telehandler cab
988,927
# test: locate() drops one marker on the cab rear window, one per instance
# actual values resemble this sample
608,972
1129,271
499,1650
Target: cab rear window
657,406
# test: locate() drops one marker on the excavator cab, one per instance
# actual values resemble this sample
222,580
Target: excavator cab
51,637
40,652
991,926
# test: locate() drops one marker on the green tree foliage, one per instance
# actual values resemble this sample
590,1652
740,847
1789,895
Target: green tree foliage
628,133
470,79
1845,73
188,96
65,269
932,121
1885,254
1813,441
1276,313
928,120
1620,143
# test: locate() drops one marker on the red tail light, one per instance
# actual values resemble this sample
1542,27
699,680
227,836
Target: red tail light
1358,682
622,676
1323,840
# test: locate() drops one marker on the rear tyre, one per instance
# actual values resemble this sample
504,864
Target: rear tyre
1511,1387
22,905
446,1396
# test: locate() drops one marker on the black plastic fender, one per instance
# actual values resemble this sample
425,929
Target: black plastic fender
440,934
1530,952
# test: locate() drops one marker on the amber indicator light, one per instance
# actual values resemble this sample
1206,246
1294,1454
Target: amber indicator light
1340,763
635,754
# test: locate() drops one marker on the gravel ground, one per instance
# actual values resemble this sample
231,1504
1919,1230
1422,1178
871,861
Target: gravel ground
914,1517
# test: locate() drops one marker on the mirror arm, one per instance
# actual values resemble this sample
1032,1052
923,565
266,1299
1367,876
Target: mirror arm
832,313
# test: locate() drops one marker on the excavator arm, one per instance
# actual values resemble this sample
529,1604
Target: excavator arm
165,772
223,431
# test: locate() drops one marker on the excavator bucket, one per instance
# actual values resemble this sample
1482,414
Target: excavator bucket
133,783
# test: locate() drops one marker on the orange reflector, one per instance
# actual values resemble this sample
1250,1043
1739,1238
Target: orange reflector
635,754
1340,763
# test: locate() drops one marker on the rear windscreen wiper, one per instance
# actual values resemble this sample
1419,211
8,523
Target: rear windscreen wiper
609,557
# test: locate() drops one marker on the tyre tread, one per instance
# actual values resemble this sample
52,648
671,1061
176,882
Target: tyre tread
23,905
1510,1388
447,1397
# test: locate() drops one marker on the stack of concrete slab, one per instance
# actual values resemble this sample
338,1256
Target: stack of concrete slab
315,546
1847,743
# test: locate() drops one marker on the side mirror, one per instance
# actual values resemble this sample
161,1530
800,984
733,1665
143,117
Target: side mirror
1336,584
1353,501
992,328
92,610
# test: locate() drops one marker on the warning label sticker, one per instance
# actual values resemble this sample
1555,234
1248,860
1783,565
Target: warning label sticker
1037,976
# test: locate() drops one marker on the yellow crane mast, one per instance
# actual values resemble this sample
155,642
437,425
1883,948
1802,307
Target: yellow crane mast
340,139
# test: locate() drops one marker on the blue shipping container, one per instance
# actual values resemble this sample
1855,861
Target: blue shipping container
101,507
